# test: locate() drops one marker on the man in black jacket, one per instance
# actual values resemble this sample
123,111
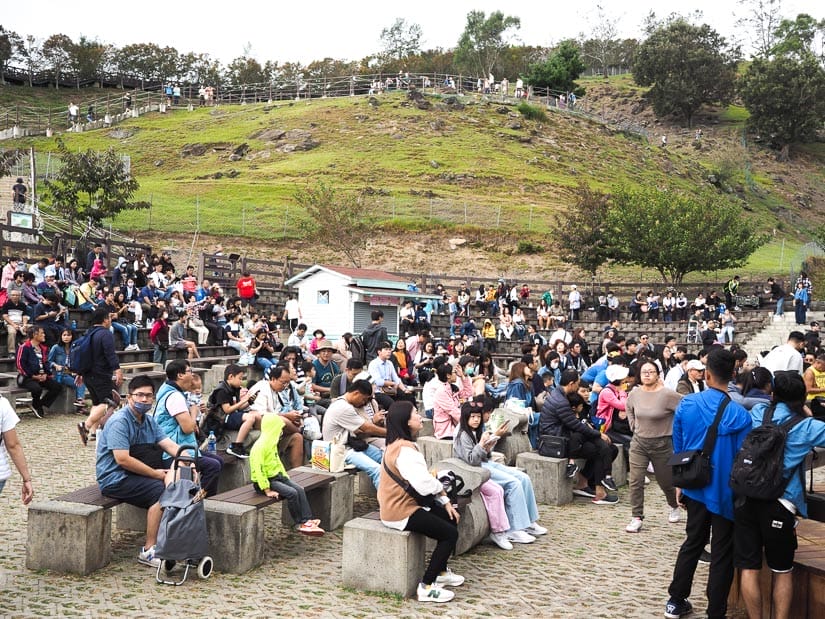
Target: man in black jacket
374,335
558,419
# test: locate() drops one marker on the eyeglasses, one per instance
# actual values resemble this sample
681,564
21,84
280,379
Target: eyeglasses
140,395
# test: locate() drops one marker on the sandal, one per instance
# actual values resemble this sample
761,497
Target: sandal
84,433
308,528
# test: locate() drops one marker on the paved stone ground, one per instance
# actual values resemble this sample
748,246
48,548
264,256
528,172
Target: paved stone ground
587,566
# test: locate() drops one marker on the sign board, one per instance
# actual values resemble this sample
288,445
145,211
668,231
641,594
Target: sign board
383,300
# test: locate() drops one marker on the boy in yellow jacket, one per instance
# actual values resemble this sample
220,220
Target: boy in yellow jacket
270,477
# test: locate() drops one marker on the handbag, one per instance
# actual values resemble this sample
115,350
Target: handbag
356,443
692,469
424,500
551,446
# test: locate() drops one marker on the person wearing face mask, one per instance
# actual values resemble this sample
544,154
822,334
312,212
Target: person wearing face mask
129,464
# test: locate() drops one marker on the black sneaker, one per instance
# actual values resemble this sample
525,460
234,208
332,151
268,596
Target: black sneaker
237,450
674,609
587,492
609,484
38,412
572,469
704,557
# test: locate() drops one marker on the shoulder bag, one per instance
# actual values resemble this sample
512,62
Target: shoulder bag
692,469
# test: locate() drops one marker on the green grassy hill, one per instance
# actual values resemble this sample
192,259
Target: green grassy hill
233,170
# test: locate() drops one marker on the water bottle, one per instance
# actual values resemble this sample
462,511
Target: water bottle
212,443
74,325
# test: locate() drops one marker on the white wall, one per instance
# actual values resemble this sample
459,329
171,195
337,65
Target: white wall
335,318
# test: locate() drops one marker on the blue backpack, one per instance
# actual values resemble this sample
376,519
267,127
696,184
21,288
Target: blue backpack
80,353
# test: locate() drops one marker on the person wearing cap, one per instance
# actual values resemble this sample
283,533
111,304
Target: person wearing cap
325,370
788,356
317,337
753,517
692,381
558,419
611,406
650,410
575,301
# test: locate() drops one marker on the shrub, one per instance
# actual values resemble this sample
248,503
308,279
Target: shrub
528,247
532,112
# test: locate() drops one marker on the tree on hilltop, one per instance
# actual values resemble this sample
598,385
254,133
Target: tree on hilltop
401,40
92,186
584,237
686,66
560,71
483,40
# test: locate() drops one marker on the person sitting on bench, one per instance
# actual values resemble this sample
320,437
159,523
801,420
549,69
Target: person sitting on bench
130,464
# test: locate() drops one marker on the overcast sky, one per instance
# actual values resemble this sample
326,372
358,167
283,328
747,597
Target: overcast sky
340,29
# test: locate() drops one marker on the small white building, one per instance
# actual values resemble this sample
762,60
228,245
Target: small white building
341,299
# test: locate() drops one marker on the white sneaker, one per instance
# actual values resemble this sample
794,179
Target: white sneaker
536,529
520,537
500,540
634,526
674,516
448,579
147,557
647,480
433,593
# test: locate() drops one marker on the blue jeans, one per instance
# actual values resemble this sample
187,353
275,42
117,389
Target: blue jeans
2,484
128,333
519,498
68,380
263,363
780,307
368,460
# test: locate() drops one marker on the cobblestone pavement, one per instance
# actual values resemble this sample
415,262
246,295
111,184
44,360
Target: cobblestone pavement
587,566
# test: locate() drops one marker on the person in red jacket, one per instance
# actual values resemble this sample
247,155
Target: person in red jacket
247,289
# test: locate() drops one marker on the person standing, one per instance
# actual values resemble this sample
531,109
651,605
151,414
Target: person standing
709,509
18,193
650,408
247,288
105,376
292,312
10,448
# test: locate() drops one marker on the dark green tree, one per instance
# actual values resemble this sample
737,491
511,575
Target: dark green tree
785,93
10,43
340,221
686,67
57,54
86,58
92,186
245,70
560,71
483,40
584,238
678,233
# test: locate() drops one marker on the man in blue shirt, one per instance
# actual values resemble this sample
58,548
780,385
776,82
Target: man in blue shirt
709,509
129,463
770,525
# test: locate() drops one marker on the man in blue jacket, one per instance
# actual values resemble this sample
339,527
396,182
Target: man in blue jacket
770,525
709,509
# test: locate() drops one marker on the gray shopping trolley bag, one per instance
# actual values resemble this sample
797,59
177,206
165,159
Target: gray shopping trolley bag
182,533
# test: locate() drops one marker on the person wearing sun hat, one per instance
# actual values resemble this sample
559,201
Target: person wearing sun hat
325,370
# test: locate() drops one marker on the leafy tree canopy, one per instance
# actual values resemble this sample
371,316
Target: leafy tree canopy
92,185
483,40
585,237
678,233
401,39
687,67
560,71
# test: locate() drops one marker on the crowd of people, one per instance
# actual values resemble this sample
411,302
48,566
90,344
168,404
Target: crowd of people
650,399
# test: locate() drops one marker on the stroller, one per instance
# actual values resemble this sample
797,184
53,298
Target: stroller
182,535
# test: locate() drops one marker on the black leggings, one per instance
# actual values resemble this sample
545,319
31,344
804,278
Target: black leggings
598,457
436,524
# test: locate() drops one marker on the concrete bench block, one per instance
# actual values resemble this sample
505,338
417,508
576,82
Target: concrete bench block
130,518
434,449
68,537
365,486
473,476
549,478
377,558
332,504
426,427
619,470
233,475
236,536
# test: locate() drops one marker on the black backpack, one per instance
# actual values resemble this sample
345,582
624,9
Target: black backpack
81,357
758,466
357,348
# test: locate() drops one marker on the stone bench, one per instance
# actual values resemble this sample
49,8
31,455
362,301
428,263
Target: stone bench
377,558
434,449
235,519
72,533
549,477
516,442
